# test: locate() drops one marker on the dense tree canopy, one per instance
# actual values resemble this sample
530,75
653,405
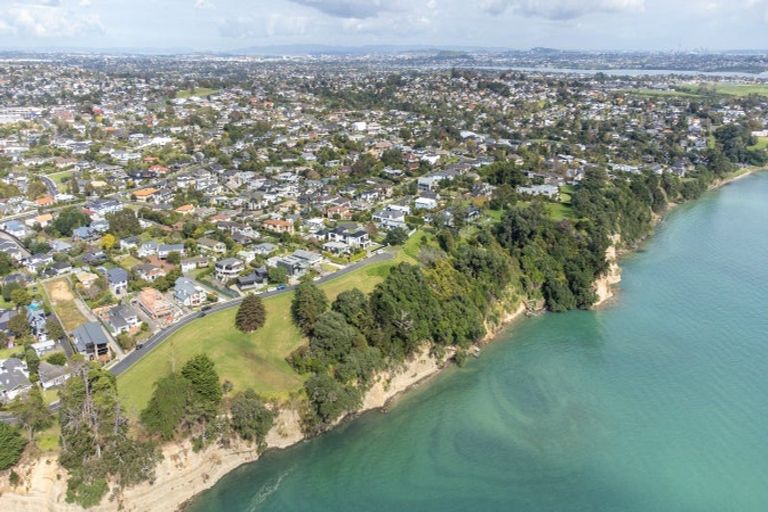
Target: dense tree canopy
251,314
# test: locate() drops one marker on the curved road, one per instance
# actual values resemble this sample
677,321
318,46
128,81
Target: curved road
133,357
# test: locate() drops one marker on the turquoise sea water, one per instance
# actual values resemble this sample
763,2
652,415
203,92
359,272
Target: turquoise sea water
658,402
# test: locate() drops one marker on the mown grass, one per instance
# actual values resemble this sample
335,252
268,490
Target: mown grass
762,143
197,91
256,360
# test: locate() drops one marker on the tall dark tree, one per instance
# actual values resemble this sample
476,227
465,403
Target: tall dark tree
166,408
309,302
11,446
251,314
124,223
205,388
250,416
31,412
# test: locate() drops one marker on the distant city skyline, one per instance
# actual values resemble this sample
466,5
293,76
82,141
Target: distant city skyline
227,25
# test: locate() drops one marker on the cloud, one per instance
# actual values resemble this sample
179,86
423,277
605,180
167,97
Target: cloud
46,20
203,4
356,9
561,9
246,27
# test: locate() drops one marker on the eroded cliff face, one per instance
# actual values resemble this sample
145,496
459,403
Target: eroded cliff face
604,286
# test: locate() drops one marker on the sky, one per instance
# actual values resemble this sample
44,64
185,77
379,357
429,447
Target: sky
222,25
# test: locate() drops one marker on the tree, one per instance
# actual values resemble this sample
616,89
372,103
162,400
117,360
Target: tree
124,223
18,323
33,361
6,264
20,297
108,241
277,275
329,399
167,406
251,314
95,445
173,257
250,416
353,304
333,338
11,446
54,328
309,302
31,412
396,236
205,388
68,219
57,358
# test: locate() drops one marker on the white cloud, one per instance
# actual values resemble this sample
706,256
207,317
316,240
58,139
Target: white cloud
246,27
357,9
46,20
561,9
203,4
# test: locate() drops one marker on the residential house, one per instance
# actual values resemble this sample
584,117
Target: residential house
52,375
228,268
278,225
123,318
14,379
149,272
189,293
155,304
118,281
211,245
91,340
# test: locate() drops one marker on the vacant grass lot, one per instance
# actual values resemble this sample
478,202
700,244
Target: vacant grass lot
255,360
62,300
198,91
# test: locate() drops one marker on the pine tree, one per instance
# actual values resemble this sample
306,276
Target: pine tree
11,446
309,302
251,314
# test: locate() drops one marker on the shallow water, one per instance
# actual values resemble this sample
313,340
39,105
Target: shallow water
658,402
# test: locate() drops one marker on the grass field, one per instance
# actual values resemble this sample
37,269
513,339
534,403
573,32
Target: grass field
127,262
762,143
197,91
693,90
62,300
255,360
661,93
59,177
728,89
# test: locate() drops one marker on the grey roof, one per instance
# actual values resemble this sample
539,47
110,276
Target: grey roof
12,374
89,335
117,275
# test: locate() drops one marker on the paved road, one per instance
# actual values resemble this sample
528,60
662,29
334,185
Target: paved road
52,189
134,356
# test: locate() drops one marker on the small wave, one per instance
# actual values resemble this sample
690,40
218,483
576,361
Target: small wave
265,492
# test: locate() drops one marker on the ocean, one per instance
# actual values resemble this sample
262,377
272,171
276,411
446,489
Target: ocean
656,402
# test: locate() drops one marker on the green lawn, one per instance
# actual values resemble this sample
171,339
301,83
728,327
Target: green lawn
728,89
127,262
660,93
197,91
48,440
246,360
59,177
762,143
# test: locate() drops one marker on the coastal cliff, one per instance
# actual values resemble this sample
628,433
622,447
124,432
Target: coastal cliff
183,473
604,285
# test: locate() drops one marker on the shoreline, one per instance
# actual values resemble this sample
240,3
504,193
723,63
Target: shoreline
184,474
